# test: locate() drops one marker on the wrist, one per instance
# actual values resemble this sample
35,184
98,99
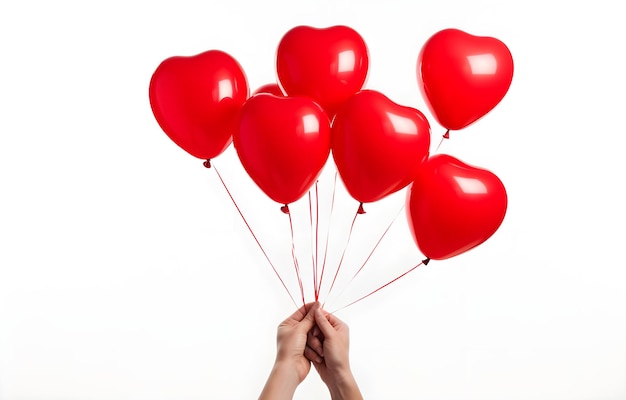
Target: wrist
282,382
344,386
287,371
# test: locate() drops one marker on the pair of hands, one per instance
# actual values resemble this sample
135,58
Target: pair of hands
312,336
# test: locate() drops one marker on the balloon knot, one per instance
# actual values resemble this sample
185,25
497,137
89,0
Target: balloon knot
361,210
426,260
207,164
285,209
447,134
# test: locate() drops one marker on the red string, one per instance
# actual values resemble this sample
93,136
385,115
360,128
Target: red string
317,237
344,250
295,259
313,250
332,207
445,136
317,283
254,236
377,243
423,262
372,252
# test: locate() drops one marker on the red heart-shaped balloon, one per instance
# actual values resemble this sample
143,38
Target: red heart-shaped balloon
283,143
271,88
196,100
453,207
378,145
462,77
328,65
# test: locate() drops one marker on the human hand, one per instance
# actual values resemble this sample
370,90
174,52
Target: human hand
328,349
291,339
291,366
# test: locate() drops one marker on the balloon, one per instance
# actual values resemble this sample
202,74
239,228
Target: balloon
453,207
378,145
462,77
271,88
327,64
196,100
283,143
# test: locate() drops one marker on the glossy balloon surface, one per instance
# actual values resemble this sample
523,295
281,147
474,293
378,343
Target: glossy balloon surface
453,207
196,100
283,143
462,77
271,88
328,65
378,145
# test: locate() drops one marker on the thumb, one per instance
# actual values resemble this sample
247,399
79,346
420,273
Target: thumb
309,319
322,322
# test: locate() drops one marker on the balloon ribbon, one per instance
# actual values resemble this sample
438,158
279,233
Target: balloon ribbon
252,232
332,207
315,235
423,262
296,265
345,248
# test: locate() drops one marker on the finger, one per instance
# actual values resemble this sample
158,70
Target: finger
300,313
315,343
334,321
315,331
312,355
318,333
307,323
323,323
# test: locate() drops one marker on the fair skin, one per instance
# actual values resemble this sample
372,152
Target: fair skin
311,335
329,340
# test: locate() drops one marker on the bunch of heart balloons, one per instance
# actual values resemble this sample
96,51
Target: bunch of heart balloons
285,132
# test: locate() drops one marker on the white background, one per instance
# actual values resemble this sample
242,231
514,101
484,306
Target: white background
126,273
